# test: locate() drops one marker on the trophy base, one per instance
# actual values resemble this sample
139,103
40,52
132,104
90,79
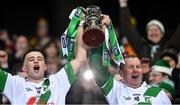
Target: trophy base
93,38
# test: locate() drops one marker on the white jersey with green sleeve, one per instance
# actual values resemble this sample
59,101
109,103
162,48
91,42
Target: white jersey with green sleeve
117,92
51,91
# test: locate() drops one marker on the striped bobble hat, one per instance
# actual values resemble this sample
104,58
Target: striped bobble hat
162,66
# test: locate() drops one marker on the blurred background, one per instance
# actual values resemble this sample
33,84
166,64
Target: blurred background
20,17
31,23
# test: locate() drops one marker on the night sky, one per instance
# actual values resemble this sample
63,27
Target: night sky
20,17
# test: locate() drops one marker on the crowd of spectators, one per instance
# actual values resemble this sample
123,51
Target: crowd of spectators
159,57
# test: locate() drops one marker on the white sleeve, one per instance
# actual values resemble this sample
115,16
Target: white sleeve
6,83
65,77
112,94
162,99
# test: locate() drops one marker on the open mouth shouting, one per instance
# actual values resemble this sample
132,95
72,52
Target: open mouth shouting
135,76
36,68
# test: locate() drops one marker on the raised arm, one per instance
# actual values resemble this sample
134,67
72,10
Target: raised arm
101,73
81,52
128,30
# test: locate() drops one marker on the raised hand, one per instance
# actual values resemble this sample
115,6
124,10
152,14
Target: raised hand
123,3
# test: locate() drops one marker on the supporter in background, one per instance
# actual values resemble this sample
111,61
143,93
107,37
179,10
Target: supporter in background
4,35
52,56
21,46
42,34
155,43
8,45
160,75
145,62
53,66
171,55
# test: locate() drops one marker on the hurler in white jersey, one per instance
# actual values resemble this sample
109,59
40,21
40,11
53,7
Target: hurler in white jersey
130,91
51,90
35,89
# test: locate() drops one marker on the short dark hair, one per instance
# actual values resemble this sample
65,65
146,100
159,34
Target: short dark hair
170,52
34,50
126,57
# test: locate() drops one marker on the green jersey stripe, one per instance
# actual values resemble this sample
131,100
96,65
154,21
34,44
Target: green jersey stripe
70,73
108,85
152,91
44,97
3,78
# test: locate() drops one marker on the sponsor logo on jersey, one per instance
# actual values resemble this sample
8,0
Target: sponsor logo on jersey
38,89
136,97
127,98
28,89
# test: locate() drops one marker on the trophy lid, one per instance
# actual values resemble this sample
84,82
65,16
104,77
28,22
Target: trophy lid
93,9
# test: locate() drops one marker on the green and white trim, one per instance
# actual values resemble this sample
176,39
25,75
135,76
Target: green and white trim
108,85
3,78
70,73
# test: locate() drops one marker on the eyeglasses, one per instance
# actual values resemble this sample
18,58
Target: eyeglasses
155,75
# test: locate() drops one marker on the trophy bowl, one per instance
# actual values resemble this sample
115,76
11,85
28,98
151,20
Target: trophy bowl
93,35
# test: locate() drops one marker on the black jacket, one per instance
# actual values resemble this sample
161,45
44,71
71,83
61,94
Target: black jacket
142,46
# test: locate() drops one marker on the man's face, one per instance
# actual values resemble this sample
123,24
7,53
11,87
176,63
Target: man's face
4,35
146,68
52,68
155,77
154,34
51,50
133,72
35,66
21,43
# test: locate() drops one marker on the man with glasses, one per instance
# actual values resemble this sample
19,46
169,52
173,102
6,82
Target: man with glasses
160,76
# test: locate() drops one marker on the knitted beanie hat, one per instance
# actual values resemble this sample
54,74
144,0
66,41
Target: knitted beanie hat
162,66
156,23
